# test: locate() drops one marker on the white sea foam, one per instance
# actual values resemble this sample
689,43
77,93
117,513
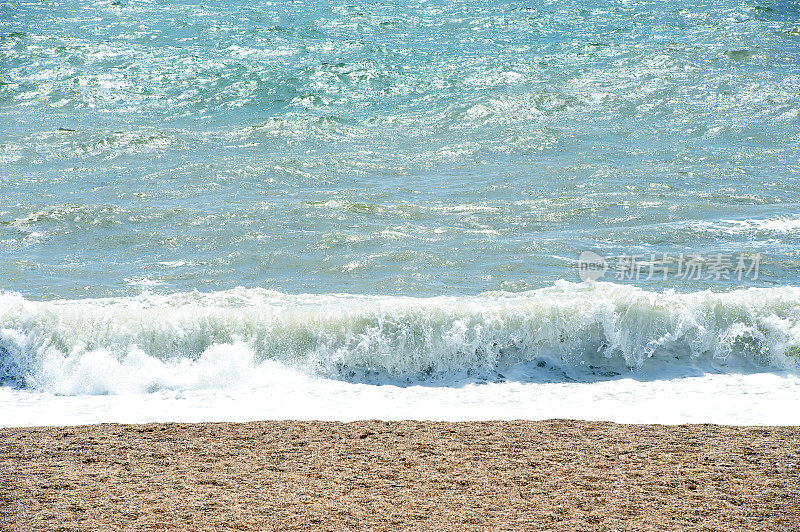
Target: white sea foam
771,398
778,225
223,340
783,224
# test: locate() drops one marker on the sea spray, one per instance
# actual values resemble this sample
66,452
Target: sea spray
214,340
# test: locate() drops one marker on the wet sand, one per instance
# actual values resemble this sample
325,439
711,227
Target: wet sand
376,475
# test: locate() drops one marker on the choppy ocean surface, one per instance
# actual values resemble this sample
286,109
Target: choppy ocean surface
320,210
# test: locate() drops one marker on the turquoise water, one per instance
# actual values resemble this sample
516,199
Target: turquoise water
328,210
412,148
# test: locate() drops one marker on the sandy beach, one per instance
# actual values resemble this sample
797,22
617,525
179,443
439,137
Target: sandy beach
379,475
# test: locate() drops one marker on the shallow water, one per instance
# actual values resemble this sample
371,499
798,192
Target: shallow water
445,163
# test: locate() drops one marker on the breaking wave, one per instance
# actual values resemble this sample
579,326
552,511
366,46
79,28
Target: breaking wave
242,336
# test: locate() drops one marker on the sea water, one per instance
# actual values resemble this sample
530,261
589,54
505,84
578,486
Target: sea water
451,210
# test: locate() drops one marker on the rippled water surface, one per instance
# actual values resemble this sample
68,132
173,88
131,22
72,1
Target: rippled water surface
417,148
237,210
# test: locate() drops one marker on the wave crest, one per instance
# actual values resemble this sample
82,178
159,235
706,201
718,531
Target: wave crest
194,340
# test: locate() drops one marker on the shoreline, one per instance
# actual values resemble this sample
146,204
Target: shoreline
371,474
